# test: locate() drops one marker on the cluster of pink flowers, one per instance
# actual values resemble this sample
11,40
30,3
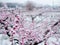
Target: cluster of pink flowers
14,24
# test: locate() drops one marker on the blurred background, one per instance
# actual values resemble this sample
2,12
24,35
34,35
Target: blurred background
40,2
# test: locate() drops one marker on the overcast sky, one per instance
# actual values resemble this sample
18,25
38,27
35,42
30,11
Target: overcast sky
44,2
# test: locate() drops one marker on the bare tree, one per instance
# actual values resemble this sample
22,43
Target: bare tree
30,6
